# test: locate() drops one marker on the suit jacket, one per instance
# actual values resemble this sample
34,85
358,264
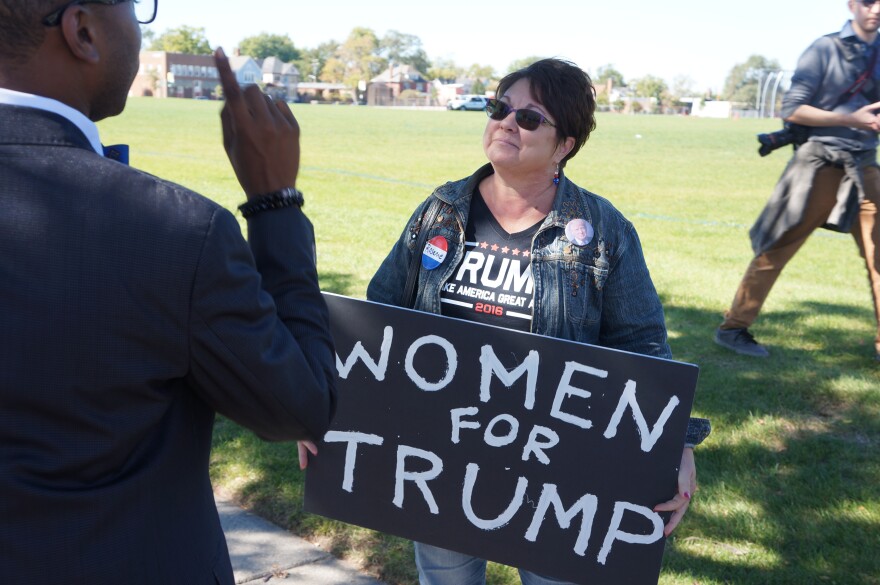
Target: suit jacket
132,310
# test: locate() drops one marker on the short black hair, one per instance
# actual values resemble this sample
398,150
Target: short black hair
21,27
566,91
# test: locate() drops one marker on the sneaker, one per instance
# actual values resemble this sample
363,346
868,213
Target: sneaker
740,341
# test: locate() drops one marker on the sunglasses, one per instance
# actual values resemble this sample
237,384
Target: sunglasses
144,10
868,3
525,118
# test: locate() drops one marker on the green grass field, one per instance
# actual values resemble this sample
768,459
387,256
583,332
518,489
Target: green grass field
789,479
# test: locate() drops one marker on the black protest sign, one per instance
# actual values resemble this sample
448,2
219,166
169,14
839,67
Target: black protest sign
530,451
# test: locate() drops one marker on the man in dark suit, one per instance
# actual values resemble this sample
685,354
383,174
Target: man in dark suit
132,310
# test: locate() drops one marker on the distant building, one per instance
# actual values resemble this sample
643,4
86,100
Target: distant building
279,78
385,88
247,71
319,91
162,74
447,91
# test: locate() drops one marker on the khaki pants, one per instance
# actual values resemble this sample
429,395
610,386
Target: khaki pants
765,269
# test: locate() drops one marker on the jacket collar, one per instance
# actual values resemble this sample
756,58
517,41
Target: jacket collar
567,205
26,126
86,126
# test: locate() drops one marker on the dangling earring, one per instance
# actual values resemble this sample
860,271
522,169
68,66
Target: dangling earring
556,175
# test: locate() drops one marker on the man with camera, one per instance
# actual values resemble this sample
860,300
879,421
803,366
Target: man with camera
832,181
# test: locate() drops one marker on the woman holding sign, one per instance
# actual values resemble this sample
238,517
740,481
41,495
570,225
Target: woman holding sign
518,245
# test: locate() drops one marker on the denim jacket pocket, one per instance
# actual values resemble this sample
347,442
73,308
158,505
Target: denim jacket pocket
582,291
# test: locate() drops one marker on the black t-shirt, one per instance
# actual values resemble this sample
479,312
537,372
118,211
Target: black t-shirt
493,282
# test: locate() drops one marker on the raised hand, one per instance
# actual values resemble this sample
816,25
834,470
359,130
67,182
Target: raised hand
260,135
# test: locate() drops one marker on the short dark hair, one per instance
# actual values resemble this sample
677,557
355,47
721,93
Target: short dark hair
21,28
567,93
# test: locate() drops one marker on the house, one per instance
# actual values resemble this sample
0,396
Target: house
247,71
279,78
162,74
319,91
385,88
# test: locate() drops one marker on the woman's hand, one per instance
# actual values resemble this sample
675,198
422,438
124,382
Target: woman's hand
303,449
687,485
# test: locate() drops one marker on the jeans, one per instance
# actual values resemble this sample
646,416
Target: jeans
438,566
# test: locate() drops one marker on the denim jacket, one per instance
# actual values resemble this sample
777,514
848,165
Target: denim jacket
600,293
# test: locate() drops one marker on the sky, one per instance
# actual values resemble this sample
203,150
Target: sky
666,38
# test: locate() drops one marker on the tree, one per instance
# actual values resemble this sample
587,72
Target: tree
266,45
404,49
148,35
359,54
312,61
333,71
354,61
682,86
188,40
478,87
606,72
521,63
651,86
444,70
743,83
484,73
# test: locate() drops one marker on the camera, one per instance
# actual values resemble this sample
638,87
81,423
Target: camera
795,134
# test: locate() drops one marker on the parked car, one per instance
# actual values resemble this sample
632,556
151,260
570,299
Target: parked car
467,102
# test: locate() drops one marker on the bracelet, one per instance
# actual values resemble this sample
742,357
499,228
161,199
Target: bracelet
275,200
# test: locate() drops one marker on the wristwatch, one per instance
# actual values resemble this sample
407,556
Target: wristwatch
280,199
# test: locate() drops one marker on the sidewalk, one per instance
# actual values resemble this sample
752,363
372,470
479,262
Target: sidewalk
264,553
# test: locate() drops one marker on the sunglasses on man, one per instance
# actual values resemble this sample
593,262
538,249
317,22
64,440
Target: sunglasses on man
525,118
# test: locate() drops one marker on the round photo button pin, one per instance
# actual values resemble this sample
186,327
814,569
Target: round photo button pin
579,232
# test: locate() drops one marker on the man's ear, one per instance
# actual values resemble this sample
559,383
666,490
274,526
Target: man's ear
77,28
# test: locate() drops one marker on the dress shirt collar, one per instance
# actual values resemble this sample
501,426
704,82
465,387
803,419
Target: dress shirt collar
848,31
86,126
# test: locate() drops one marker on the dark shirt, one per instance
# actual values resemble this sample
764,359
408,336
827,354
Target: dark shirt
824,74
493,282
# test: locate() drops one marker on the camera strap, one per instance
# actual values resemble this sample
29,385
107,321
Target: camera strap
861,80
